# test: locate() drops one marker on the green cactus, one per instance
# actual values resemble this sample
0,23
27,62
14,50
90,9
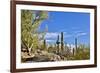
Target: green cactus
62,42
76,45
57,42
44,44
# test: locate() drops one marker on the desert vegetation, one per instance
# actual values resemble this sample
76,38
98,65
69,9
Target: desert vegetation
34,47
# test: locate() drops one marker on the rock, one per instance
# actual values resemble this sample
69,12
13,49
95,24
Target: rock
40,56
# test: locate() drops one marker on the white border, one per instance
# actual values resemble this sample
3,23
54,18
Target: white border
51,64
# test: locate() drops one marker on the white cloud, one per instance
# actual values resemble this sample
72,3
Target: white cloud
71,46
81,34
77,31
55,35
50,41
66,35
51,35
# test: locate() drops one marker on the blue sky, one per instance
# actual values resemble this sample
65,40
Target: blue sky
72,24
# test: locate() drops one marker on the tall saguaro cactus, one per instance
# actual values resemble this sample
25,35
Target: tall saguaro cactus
62,42
57,42
76,44
44,44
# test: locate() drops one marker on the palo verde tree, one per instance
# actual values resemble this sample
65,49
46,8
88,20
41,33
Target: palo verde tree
30,21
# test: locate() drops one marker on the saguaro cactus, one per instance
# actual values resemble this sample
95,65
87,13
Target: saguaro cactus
62,43
44,44
73,51
76,44
57,42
